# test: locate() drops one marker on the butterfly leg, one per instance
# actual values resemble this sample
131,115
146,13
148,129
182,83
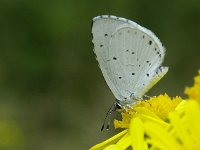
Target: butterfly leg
147,96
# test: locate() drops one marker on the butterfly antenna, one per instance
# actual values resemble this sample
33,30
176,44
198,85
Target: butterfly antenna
109,112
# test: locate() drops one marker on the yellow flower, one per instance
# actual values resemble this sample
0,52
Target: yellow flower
161,123
156,108
194,92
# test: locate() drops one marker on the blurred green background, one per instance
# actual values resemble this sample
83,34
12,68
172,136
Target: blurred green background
52,93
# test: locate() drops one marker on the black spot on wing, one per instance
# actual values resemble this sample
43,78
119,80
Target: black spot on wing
150,42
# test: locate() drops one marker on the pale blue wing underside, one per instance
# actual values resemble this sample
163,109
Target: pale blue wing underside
129,56
102,29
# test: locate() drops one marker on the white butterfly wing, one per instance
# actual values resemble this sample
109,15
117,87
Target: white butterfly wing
102,29
129,56
135,56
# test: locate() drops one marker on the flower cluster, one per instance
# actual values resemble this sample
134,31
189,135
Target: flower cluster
161,123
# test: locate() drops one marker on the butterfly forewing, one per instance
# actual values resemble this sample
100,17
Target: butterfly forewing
102,29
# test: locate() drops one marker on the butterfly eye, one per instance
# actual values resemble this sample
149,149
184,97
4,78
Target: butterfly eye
118,106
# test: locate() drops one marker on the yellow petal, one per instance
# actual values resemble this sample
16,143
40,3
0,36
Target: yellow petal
180,129
192,119
124,142
136,131
110,141
148,116
113,147
160,137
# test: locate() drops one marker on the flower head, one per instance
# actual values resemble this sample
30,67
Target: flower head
155,107
194,91
160,123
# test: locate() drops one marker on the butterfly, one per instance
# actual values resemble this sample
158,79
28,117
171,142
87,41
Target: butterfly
129,56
